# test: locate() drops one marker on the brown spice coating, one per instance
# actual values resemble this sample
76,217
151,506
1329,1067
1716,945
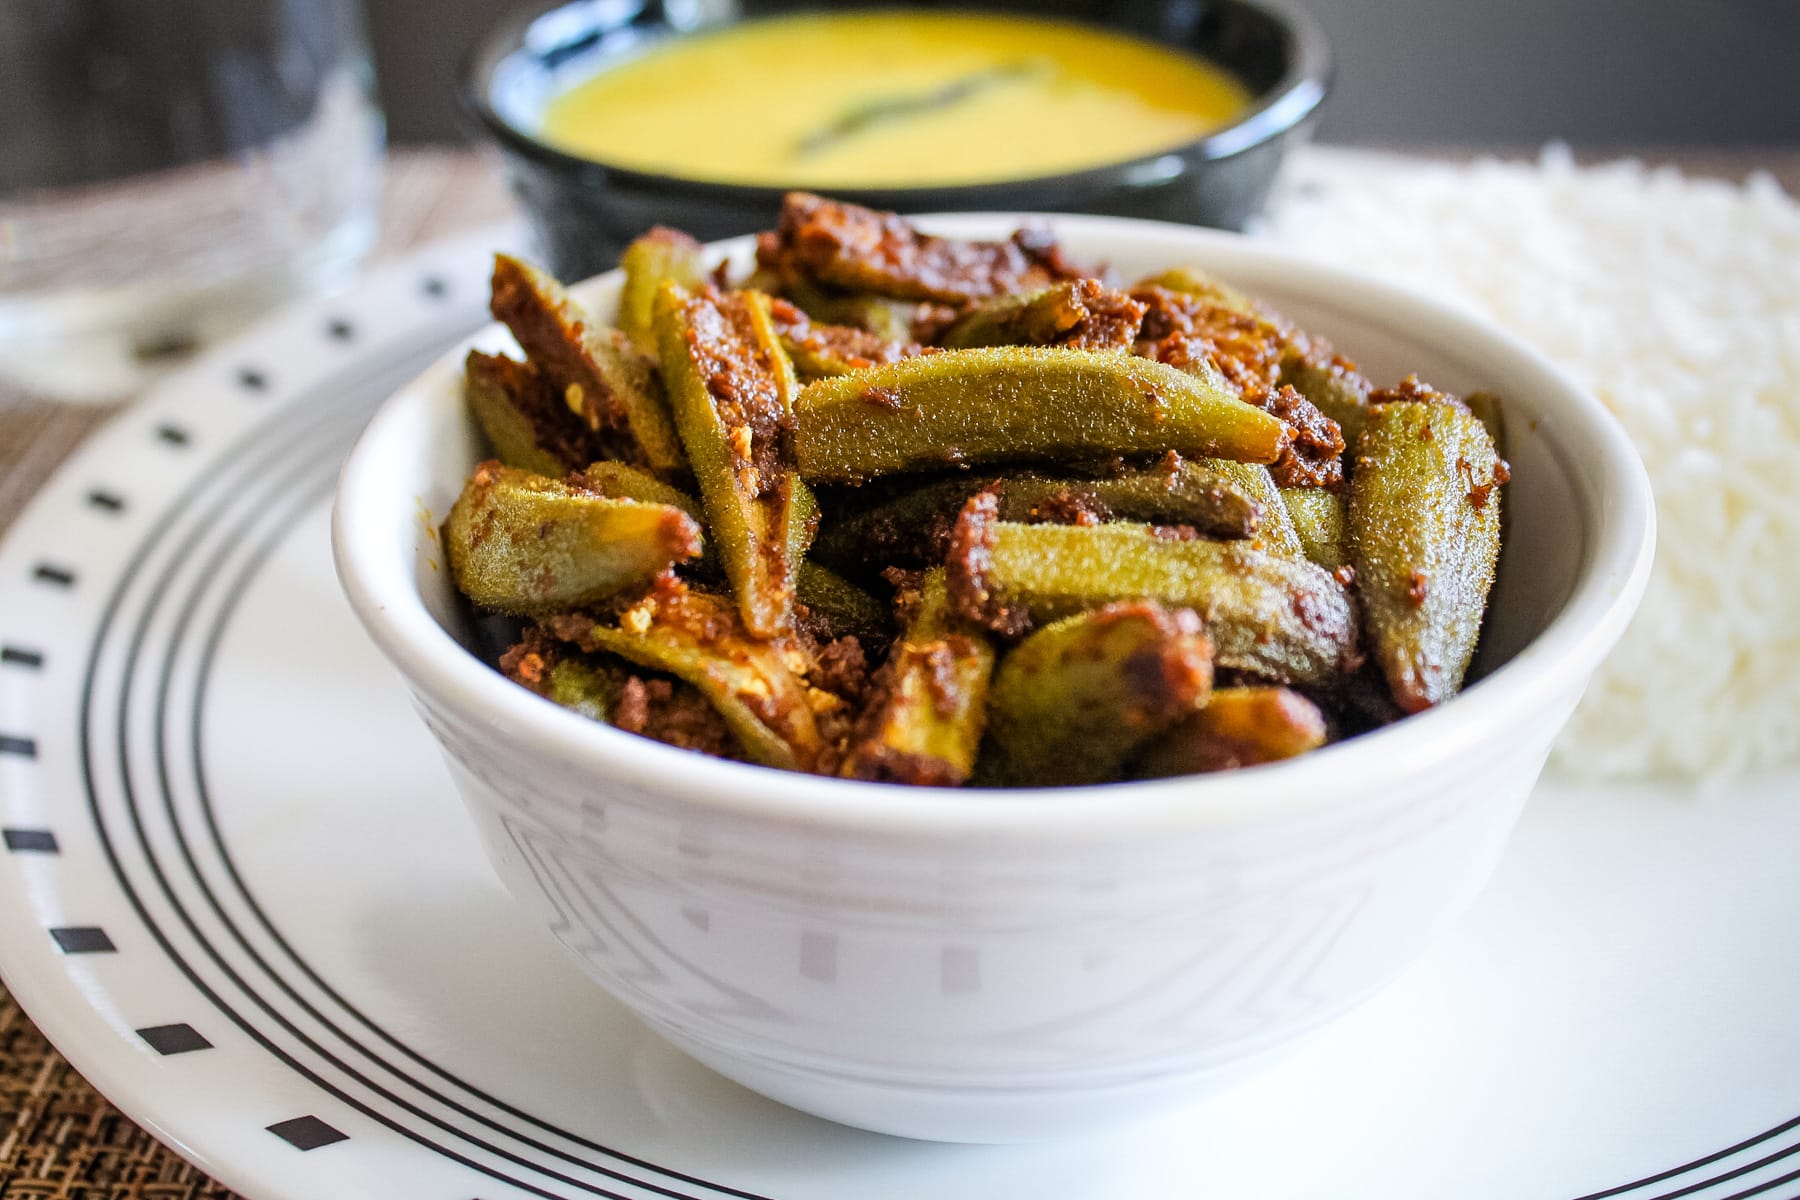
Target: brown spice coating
1480,493
1314,456
967,559
876,763
881,397
841,667
855,348
559,432
712,623
1418,587
1248,349
1074,506
527,662
1039,244
849,246
1168,679
650,706
675,714
1082,314
1413,390
552,338
741,378
1106,319
868,756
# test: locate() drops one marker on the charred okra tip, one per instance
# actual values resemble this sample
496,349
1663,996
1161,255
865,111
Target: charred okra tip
908,509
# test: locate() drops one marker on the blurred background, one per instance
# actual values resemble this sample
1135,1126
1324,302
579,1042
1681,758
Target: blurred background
1597,73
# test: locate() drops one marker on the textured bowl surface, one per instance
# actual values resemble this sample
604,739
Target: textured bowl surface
996,966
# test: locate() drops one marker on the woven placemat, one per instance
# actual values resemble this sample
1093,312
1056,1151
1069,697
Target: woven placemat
61,1140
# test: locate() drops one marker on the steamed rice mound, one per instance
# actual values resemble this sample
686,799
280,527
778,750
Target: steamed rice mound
1677,302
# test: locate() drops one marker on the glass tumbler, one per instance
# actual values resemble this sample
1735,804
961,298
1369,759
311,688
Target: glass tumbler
169,169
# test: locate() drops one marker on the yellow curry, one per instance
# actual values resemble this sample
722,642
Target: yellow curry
891,98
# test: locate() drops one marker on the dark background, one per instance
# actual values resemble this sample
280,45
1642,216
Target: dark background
1597,73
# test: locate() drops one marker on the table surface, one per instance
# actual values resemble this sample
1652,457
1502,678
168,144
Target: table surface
58,1137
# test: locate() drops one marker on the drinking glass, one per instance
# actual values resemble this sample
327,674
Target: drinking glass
169,169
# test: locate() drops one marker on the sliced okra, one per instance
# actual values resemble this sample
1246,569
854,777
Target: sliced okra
924,721
525,420
1009,403
1083,314
1238,727
1424,525
523,544
602,378
1219,498
1280,618
1076,701
1318,520
731,389
836,607
697,637
661,254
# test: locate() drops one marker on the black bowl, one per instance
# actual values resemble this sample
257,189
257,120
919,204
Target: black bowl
585,212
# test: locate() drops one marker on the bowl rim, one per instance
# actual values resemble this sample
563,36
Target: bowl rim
1603,469
1284,107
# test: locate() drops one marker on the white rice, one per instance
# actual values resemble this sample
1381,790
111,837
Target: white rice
1677,302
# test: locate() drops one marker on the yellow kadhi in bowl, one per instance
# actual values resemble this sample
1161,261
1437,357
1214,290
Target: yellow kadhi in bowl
614,118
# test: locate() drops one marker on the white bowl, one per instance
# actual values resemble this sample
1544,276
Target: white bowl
1002,966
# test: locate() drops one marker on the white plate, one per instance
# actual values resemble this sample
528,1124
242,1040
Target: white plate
237,891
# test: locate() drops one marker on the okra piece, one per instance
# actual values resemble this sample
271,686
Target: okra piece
800,521
581,687
860,250
524,419
1238,727
1219,498
1335,389
602,687
731,390
602,379
1490,409
617,479
1275,533
698,638
523,544
1083,314
821,349
661,254
573,681
1214,496
1284,619
929,707
1318,521
1203,285
1270,347
1424,522
837,606
891,320
1076,701
1010,403
628,483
